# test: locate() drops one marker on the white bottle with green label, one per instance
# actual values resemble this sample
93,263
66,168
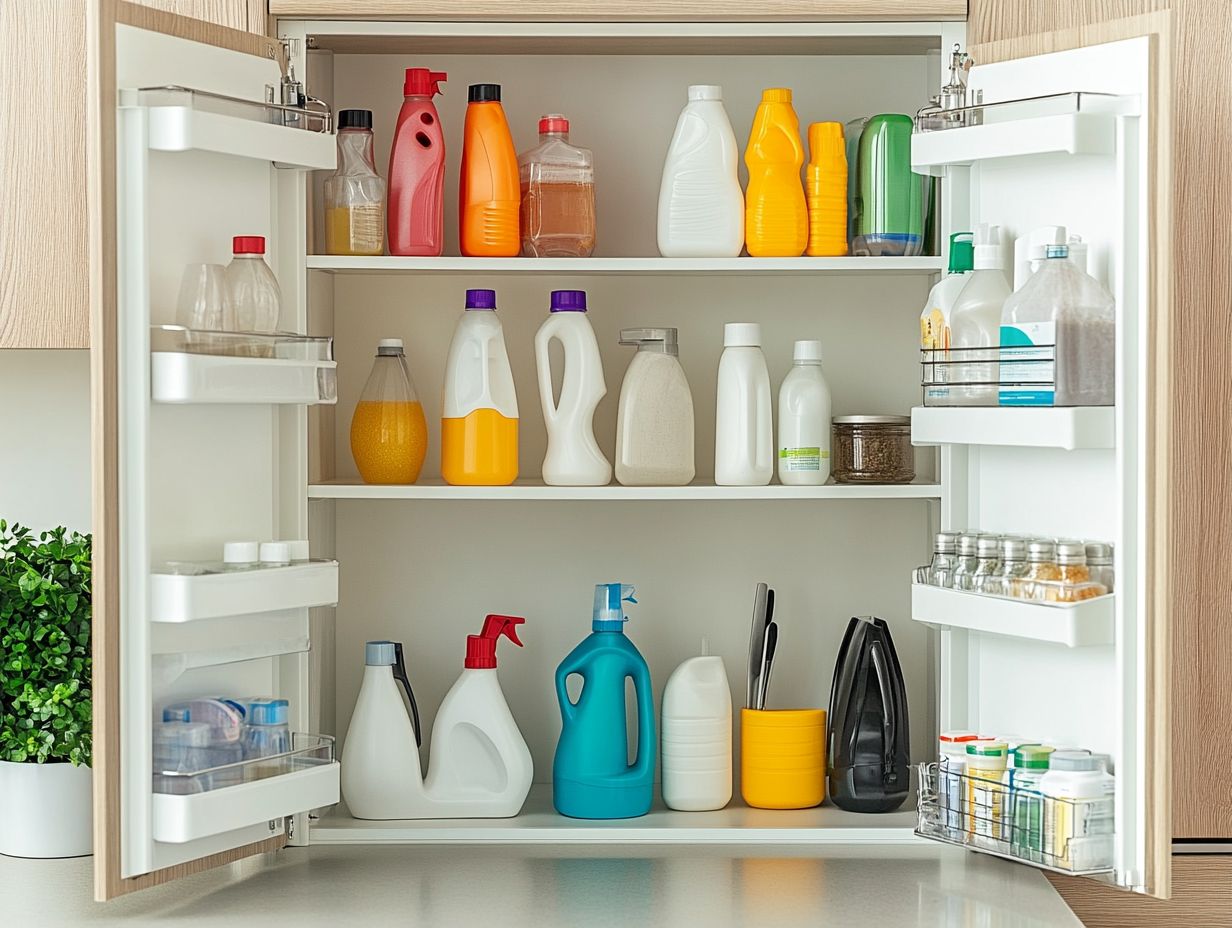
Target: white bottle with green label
804,420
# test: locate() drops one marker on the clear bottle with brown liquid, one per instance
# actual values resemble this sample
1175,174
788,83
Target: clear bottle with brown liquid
558,195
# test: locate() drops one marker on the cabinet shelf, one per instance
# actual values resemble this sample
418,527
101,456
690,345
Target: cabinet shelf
182,592
1069,428
1081,624
647,266
537,490
539,823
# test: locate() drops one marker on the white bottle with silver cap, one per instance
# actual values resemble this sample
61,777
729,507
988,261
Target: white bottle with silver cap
804,420
654,427
743,426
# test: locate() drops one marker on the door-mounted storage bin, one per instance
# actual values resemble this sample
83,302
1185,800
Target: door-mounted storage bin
1078,624
187,592
196,804
194,366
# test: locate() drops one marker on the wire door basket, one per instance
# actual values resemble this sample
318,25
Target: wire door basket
1006,375
1073,836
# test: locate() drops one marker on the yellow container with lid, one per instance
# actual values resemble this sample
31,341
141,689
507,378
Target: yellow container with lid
783,758
986,763
825,190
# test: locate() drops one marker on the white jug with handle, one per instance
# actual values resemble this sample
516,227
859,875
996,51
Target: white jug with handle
573,457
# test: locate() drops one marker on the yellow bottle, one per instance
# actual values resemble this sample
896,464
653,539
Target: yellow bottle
775,212
825,182
389,434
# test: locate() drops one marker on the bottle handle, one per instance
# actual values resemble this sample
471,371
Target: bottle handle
399,670
543,364
643,764
568,708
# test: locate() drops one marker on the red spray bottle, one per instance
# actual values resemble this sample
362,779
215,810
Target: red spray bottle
416,213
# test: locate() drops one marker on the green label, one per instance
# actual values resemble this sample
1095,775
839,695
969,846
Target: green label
803,458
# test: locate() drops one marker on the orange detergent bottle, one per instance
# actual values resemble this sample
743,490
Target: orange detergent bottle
479,409
826,190
389,434
489,192
775,213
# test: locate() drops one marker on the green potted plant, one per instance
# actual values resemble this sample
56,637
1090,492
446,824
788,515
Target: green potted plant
46,738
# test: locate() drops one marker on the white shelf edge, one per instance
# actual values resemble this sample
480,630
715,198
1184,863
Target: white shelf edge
1071,133
535,490
179,377
185,128
1069,428
388,264
1084,624
178,598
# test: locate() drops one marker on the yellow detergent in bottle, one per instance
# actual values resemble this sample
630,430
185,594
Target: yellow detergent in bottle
826,190
479,414
775,211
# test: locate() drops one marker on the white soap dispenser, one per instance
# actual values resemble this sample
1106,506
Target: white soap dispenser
697,736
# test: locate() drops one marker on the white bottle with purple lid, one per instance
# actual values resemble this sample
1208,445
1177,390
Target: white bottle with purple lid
573,457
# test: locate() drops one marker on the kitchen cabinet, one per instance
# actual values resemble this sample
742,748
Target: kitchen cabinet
174,176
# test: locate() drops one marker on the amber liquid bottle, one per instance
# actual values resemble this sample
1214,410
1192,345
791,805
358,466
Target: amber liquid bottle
558,195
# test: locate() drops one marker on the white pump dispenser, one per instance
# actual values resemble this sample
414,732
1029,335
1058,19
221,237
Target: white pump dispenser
480,766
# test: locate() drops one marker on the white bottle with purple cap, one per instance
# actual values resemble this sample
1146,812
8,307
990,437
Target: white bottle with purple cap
573,457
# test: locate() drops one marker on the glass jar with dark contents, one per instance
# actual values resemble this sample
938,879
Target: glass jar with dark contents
873,449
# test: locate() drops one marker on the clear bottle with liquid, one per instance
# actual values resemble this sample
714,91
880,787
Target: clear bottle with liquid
389,434
355,193
975,323
255,296
558,195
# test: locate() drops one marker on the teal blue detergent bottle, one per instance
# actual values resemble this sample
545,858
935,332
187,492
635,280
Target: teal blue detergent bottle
591,774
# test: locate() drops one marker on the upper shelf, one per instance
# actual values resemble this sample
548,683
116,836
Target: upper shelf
388,264
1068,427
1073,123
537,490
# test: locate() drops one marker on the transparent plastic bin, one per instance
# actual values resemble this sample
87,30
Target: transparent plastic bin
280,345
308,751
1073,836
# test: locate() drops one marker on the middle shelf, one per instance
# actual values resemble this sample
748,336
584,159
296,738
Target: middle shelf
538,490
651,265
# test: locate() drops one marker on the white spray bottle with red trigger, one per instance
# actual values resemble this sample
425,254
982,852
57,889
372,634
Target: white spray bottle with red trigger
479,764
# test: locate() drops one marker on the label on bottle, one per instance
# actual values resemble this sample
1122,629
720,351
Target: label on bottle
1028,364
801,459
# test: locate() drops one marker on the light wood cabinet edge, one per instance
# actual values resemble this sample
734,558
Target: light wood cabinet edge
1201,896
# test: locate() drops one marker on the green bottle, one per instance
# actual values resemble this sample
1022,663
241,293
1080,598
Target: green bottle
888,207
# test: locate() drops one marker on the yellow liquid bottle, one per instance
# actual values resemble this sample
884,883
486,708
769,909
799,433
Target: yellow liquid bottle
826,190
389,434
775,212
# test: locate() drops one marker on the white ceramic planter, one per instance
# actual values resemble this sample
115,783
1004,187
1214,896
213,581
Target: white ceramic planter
46,810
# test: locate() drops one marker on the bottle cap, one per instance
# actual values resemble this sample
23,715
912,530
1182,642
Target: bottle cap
380,654
988,546
183,734
553,122
420,82
240,552
275,552
568,301
298,549
1056,251
809,350
609,613
705,92
967,544
176,714
742,335
1041,551
988,247
1032,756
952,737
1013,549
945,542
988,749
776,95
1099,552
355,119
389,347
1073,760
826,146
962,253
1071,552
267,712
483,93
662,340
481,299
248,245
481,648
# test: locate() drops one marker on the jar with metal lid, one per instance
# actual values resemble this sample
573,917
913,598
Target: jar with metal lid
945,559
966,561
1099,560
873,449
1013,567
987,561
1041,566
1072,562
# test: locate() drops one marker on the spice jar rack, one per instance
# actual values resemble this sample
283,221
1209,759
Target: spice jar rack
1087,623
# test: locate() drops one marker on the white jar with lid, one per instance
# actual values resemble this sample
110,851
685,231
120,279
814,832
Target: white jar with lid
654,427
1078,811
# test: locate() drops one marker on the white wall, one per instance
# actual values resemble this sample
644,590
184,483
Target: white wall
45,424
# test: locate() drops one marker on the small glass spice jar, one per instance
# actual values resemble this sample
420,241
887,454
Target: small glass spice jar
1041,566
873,449
945,559
1013,567
988,563
1099,560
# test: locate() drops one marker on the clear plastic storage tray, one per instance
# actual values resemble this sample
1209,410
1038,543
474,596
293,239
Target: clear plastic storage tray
307,752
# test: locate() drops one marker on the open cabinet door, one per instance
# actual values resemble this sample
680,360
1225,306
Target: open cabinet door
1078,137
198,439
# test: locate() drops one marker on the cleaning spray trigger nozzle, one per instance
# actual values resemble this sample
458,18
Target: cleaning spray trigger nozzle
481,648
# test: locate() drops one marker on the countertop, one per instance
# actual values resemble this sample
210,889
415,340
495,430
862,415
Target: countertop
550,887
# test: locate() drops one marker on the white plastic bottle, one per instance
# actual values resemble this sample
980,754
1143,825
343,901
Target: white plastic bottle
697,736
573,457
804,420
654,427
1078,825
701,207
935,319
743,427
975,322
255,297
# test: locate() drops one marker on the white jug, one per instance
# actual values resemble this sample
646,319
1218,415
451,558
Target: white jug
697,736
573,457
743,428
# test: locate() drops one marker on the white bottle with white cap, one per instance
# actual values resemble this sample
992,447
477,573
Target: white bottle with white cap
701,206
697,736
744,425
804,420
975,322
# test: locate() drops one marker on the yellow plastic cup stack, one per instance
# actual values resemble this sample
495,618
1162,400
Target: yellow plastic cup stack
825,188
783,758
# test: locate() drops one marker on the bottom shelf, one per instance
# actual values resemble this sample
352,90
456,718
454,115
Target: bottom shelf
539,823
